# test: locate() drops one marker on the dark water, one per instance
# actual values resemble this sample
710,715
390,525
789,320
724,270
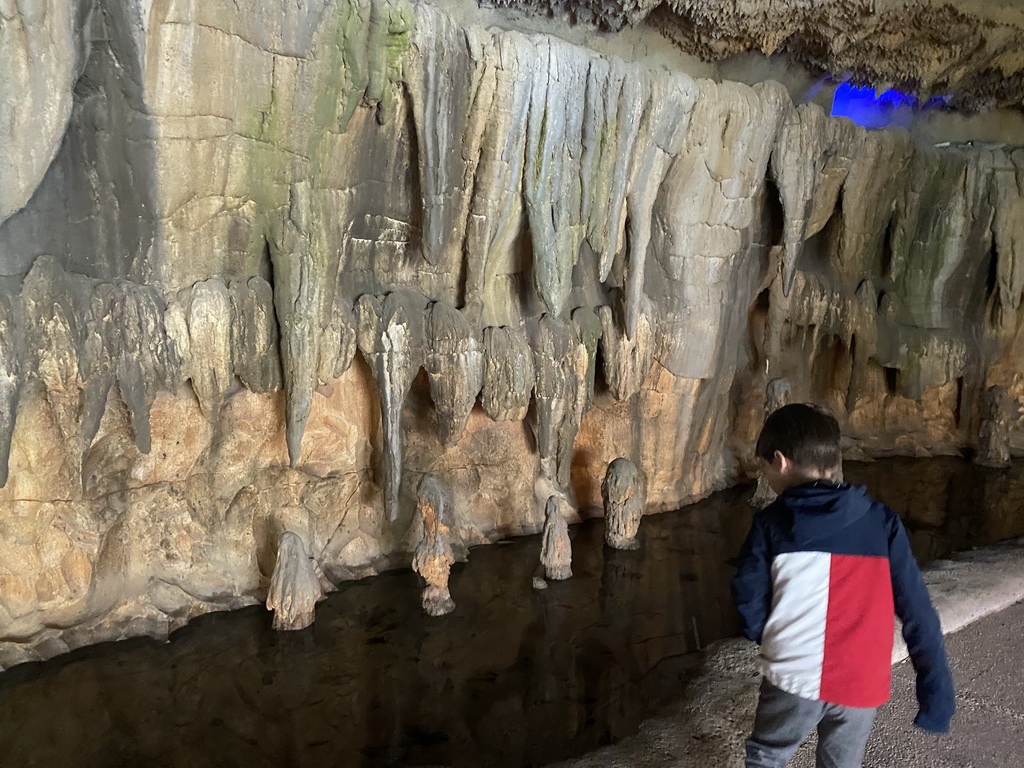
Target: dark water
513,678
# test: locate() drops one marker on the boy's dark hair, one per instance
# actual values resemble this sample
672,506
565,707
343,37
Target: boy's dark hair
805,434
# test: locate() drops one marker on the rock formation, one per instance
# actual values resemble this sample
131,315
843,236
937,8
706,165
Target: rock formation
607,255
556,548
434,556
994,437
295,588
624,497
777,394
971,52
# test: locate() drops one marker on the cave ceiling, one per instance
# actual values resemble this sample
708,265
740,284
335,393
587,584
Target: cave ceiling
970,52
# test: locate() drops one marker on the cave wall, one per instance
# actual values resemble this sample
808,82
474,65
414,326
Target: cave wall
282,264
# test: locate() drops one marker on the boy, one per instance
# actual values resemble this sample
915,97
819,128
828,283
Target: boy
821,573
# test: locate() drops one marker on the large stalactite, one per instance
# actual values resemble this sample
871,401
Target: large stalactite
546,258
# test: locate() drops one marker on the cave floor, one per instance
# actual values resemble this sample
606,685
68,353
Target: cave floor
514,677
988,730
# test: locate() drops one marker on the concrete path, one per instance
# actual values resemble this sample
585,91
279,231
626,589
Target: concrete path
988,730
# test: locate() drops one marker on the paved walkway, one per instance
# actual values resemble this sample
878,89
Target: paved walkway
988,730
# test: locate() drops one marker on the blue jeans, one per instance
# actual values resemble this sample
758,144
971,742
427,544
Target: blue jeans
783,721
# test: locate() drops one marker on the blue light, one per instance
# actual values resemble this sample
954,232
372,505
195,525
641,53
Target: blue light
877,110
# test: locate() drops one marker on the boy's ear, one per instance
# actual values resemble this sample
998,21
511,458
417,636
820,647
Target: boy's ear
781,463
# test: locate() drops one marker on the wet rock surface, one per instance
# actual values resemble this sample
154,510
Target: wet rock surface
513,677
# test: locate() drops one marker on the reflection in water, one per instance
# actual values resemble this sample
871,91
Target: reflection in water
513,678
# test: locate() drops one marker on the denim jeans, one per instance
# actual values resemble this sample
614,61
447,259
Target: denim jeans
784,721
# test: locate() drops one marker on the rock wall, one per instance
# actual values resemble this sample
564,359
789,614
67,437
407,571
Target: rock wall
283,264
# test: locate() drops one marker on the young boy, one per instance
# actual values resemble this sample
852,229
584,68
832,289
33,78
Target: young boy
822,571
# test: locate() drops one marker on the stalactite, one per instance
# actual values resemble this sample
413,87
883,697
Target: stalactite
551,179
811,160
254,336
588,330
199,321
147,362
626,361
616,96
445,87
390,333
663,130
52,341
454,364
10,382
508,376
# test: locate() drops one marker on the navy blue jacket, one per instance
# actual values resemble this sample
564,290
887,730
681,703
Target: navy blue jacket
822,572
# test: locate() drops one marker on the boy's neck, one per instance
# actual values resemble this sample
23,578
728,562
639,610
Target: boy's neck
804,478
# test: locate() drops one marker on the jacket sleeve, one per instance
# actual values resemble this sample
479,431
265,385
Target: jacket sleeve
922,633
752,585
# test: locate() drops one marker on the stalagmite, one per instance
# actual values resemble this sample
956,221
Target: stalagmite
295,588
454,363
434,556
624,498
390,335
556,548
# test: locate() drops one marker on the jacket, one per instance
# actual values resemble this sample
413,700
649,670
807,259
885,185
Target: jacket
821,574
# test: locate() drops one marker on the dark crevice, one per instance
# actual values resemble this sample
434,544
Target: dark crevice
892,379
992,274
958,411
775,217
885,264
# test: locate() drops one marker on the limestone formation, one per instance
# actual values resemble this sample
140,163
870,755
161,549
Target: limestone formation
777,394
294,586
508,374
627,361
609,255
961,52
390,338
44,46
993,438
434,556
624,498
556,548
454,363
